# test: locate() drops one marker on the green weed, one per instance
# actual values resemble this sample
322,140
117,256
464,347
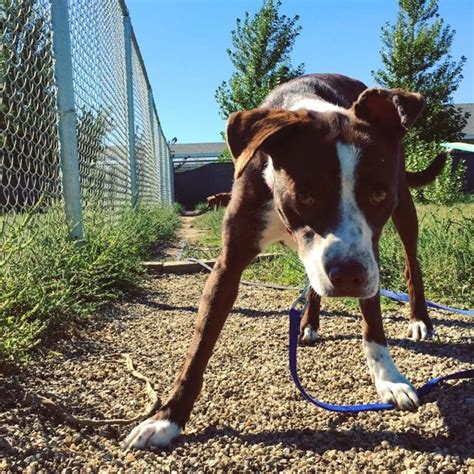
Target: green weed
46,279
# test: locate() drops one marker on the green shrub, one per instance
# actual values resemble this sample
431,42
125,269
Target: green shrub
46,278
445,250
447,187
178,208
201,207
211,222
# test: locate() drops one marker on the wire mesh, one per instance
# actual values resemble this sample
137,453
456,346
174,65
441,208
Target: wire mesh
30,155
164,166
98,62
147,177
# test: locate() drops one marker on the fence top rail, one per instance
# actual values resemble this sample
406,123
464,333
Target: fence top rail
123,7
126,13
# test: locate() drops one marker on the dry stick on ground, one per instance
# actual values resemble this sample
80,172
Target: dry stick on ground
59,410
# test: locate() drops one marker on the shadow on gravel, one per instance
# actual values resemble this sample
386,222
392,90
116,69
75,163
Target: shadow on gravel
193,309
461,351
12,393
249,312
439,319
319,441
252,313
167,307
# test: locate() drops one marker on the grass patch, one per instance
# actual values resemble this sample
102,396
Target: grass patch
46,279
211,222
445,252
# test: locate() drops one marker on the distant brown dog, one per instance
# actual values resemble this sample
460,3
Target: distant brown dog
218,200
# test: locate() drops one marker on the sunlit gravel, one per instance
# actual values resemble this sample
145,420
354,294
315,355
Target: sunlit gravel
249,416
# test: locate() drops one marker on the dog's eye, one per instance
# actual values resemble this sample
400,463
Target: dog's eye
378,196
305,198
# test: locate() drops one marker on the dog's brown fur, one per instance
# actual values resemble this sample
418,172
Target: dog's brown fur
376,121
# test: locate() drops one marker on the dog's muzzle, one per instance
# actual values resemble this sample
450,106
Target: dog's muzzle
348,278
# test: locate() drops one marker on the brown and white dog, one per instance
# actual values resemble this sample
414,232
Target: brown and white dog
218,200
320,167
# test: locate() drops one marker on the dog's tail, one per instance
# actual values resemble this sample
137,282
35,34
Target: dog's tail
417,179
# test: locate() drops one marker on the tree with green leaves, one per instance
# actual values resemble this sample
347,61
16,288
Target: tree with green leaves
261,55
416,56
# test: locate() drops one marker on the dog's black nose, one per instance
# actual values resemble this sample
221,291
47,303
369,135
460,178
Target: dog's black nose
347,276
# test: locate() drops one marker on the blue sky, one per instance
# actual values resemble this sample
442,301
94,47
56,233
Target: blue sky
184,43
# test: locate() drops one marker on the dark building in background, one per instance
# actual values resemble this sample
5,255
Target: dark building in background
200,172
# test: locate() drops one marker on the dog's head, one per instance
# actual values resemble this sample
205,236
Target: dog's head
334,177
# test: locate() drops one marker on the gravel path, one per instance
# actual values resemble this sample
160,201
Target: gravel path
187,232
249,416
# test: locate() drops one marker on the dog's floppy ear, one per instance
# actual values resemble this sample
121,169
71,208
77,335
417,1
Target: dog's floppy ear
390,109
253,130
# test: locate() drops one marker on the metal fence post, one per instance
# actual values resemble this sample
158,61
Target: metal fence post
67,118
127,28
160,164
152,129
168,172
170,161
164,168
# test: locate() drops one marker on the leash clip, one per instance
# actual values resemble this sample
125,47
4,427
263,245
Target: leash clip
300,303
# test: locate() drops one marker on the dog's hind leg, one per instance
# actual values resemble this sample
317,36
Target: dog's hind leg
405,219
240,246
310,321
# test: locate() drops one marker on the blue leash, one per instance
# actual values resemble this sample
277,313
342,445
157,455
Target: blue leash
403,297
295,318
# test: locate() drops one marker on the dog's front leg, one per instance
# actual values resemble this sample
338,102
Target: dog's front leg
391,385
310,321
219,294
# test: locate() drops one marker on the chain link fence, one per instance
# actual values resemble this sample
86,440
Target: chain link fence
78,124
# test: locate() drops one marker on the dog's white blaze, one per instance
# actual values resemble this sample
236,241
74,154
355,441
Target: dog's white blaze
353,221
352,238
317,105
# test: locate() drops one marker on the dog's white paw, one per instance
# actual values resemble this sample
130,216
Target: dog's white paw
401,393
152,433
391,385
417,330
309,336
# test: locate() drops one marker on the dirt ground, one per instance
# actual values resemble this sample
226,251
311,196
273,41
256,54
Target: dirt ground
187,234
249,416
